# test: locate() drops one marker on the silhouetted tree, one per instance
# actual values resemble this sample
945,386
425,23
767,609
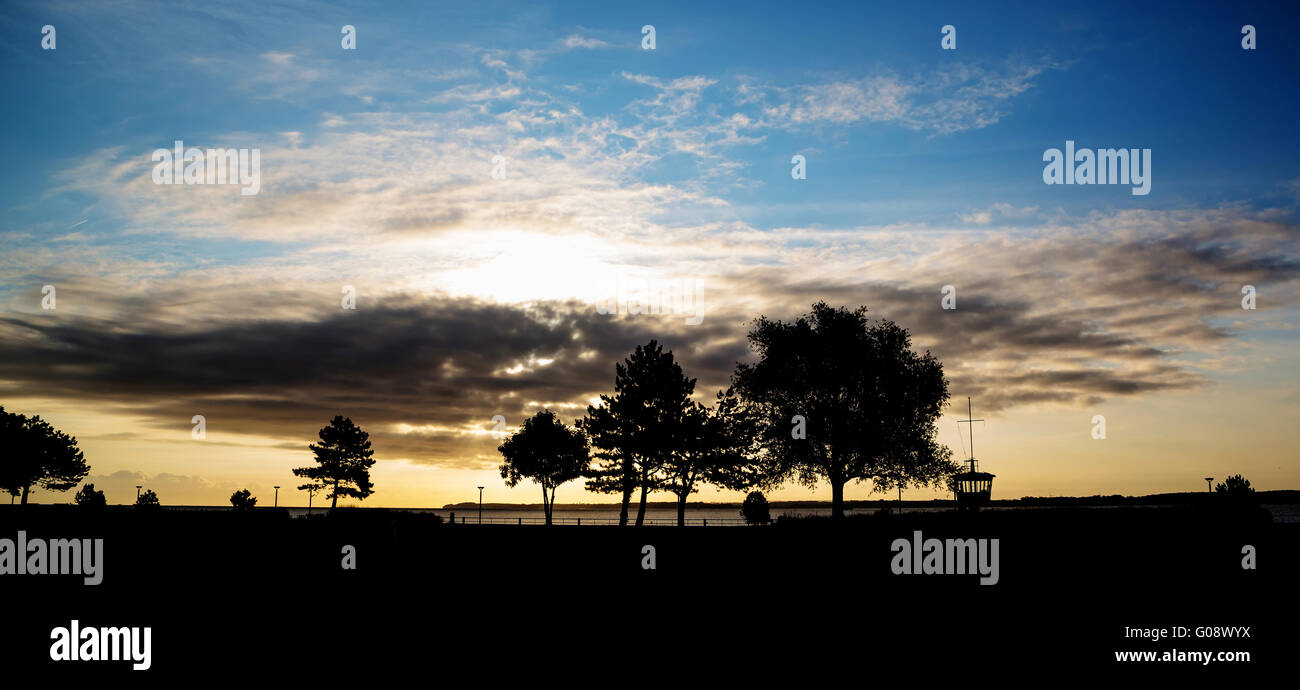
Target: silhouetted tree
243,500
742,463
692,452
37,454
311,490
89,497
344,459
12,438
755,509
868,401
147,500
616,466
632,429
547,452
708,445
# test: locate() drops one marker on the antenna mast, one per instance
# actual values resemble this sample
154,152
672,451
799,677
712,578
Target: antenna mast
969,420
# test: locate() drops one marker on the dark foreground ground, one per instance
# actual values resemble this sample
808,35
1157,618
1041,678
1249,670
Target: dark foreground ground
232,598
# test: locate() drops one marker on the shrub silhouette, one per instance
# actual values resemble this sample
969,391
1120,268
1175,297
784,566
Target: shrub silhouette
243,500
88,497
755,509
147,501
1235,488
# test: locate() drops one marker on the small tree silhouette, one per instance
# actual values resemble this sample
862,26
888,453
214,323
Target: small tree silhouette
632,430
147,500
755,509
343,461
713,445
311,490
547,452
243,500
88,497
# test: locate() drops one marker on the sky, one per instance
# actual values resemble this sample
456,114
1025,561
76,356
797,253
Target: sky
487,178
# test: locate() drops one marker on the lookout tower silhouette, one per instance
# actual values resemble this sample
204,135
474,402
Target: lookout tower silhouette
972,487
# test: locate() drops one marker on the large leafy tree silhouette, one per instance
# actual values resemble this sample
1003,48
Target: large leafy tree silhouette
870,403
36,454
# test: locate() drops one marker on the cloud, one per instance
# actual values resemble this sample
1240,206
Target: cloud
277,58
950,100
1109,307
396,368
467,283
998,210
576,41
172,489
1114,306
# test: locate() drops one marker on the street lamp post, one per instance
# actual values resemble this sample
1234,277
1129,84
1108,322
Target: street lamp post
277,497
137,493
480,505
1207,484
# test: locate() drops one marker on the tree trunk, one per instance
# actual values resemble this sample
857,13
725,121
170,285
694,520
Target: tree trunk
25,488
681,509
546,505
627,498
334,503
645,489
837,499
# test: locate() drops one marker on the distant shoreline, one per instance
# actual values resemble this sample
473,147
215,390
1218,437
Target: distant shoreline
1276,496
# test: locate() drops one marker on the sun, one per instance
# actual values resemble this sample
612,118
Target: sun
516,266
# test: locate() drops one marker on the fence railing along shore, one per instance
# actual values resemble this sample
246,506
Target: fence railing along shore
473,519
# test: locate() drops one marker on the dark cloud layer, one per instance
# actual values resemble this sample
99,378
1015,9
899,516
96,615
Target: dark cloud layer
1066,320
1073,319
442,362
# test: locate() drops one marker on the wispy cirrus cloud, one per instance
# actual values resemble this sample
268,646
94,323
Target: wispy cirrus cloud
945,101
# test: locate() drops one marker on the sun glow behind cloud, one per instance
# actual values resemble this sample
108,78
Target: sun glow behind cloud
520,266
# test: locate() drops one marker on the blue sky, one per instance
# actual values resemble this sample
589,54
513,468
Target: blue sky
1171,78
924,168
